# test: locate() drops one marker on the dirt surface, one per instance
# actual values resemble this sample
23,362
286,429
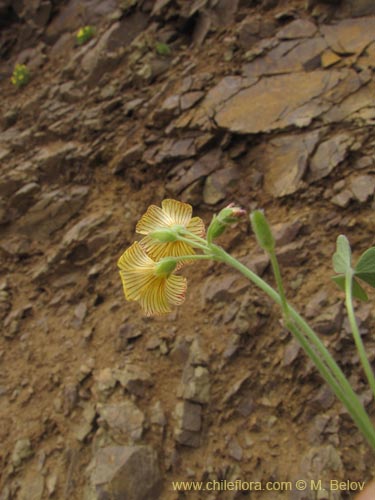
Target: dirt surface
265,104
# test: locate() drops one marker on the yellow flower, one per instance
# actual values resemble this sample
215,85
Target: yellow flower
173,213
144,281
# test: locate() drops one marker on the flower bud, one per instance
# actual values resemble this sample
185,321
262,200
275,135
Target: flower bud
165,267
226,216
262,230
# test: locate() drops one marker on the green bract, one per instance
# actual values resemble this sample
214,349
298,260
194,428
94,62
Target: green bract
164,235
166,266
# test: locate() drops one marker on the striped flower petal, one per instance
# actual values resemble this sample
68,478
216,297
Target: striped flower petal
153,219
172,213
196,226
179,212
160,250
156,294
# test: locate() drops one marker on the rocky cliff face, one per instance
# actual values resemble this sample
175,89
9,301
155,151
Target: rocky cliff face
268,104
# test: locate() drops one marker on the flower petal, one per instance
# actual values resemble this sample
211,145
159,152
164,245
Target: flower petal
158,250
179,212
196,226
154,299
154,218
175,289
137,271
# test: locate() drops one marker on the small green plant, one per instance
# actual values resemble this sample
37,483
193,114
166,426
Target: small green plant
85,34
162,49
21,75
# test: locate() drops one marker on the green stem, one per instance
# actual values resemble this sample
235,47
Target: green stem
353,324
279,282
196,256
322,358
195,244
197,238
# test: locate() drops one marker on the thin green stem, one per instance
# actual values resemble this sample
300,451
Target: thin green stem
353,324
197,238
279,282
322,358
196,256
195,244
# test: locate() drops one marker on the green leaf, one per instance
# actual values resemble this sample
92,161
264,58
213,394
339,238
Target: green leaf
365,268
357,290
342,257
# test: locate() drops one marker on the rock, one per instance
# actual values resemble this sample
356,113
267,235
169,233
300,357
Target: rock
291,352
189,99
22,451
127,159
329,155
222,288
361,7
218,185
286,232
157,415
15,179
329,58
124,421
287,57
349,36
257,263
104,382
126,472
355,106
126,335
315,304
189,423
80,313
264,106
324,399
330,320
285,161
322,462
52,211
24,197
196,384
299,28
292,254
82,240
198,170
363,187
134,379
71,397
51,483
32,488
343,198
51,159
198,355
176,150
235,450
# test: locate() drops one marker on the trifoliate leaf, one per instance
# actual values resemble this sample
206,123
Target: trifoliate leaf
357,290
342,257
365,268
